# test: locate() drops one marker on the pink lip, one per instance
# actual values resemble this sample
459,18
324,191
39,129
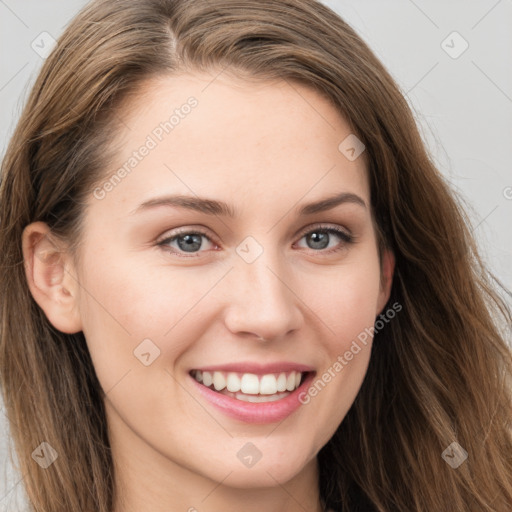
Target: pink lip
258,369
267,412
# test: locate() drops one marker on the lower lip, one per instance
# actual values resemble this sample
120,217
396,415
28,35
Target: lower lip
266,412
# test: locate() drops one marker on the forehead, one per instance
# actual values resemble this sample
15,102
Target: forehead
228,138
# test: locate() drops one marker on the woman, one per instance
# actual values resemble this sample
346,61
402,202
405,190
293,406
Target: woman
232,277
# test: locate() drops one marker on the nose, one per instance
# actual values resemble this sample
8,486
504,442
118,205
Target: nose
261,300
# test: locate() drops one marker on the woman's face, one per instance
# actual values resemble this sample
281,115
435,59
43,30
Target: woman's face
166,289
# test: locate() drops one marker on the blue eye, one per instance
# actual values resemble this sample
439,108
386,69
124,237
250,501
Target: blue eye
321,236
190,242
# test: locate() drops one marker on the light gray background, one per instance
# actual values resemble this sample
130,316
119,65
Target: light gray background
463,105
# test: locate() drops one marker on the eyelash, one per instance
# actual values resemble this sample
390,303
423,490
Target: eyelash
345,237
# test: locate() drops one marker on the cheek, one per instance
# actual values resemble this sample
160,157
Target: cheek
346,299
346,309
346,306
128,300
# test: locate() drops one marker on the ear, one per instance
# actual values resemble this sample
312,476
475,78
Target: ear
386,282
51,277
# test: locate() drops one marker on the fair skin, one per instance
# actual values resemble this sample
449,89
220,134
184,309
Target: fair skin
266,150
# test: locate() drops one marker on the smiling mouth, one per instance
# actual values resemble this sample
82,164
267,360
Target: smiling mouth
249,387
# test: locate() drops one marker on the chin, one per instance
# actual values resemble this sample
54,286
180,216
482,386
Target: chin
267,472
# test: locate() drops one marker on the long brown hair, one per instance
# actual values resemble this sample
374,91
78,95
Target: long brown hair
439,372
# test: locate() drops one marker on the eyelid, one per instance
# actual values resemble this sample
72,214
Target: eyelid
323,226
185,231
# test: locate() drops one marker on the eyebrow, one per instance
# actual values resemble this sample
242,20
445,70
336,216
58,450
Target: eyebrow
214,207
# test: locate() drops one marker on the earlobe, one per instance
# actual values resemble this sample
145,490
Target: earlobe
387,272
50,277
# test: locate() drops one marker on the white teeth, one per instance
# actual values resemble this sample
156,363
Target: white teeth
207,379
268,385
233,382
257,399
250,383
290,382
219,382
281,382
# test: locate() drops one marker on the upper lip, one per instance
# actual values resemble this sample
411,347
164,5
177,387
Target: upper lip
257,368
